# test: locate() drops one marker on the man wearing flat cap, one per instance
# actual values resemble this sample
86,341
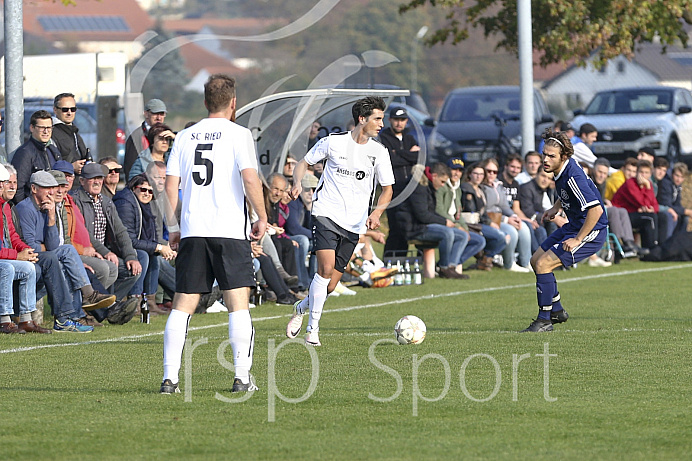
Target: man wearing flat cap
62,271
403,152
108,234
154,112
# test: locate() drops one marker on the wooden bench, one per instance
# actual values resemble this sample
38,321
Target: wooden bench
426,247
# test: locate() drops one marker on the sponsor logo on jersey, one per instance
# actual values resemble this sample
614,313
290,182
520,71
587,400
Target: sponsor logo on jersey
359,175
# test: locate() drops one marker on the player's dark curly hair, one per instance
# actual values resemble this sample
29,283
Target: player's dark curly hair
560,140
364,107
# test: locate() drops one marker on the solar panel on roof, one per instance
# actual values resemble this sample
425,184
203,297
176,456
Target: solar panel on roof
83,24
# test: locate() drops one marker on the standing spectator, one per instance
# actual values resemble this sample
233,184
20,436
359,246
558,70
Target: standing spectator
289,166
637,196
314,132
509,223
138,215
38,153
69,284
214,231
403,152
160,138
108,235
532,162
618,178
420,221
154,112
16,264
66,134
110,182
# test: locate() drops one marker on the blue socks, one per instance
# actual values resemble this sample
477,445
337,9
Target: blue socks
546,287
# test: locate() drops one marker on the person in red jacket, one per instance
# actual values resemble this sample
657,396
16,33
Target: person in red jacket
16,263
637,196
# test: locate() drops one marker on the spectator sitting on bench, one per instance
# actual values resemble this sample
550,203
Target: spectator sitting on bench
473,206
420,222
637,196
449,207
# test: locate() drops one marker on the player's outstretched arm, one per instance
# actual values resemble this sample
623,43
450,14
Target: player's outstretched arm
298,174
253,192
373,221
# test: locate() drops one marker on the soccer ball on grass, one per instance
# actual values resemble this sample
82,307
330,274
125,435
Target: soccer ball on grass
409,330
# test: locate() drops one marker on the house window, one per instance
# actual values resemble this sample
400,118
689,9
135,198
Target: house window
621,67
603,69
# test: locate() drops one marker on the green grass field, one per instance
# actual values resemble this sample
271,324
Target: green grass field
617,387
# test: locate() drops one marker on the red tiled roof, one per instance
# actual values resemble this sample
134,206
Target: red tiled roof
136,19
197,58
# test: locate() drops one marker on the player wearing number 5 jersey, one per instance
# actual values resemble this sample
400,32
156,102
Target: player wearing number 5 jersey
214,165
355,162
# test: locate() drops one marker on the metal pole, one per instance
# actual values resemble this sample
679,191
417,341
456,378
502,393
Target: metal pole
14,76
414,57
528,125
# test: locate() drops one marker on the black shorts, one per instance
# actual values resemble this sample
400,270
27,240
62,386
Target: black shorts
327,235
202,259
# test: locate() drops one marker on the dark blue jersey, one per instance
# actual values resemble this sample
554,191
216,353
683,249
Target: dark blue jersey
578,193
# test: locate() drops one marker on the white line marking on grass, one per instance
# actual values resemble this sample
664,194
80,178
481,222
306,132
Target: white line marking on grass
362,306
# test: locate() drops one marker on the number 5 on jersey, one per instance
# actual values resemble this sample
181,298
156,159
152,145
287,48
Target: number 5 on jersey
208,165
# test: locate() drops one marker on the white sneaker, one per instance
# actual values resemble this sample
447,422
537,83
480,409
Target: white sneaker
296,322
334,293
313,338
598,262
342,290
216,308
517,268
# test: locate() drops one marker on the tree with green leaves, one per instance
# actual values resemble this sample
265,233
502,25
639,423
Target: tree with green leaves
566,29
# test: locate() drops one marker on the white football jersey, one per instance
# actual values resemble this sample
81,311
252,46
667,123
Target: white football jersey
209,157
347,185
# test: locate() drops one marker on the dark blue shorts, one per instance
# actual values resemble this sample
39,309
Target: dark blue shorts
590,245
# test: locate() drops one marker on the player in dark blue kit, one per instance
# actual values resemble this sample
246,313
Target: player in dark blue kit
581,237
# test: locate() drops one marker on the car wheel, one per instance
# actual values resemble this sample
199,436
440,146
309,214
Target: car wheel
673,150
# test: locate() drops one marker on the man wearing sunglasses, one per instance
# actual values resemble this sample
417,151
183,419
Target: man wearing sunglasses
66,134
110,182
38,153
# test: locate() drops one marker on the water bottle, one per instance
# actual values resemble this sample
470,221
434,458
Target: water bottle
417,274
407,273
144,309
398,277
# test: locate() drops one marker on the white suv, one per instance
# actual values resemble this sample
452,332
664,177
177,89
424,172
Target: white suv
628,119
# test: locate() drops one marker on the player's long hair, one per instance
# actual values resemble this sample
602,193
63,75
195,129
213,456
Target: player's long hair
560,140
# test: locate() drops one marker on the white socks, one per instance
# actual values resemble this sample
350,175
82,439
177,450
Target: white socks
318,296
173,343
241,334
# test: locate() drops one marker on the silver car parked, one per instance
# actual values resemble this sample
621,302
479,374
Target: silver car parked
628,119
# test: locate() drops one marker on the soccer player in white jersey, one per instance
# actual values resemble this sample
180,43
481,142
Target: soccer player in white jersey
340,204
214,165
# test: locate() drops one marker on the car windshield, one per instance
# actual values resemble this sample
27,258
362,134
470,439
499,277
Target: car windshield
479,107
630,102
